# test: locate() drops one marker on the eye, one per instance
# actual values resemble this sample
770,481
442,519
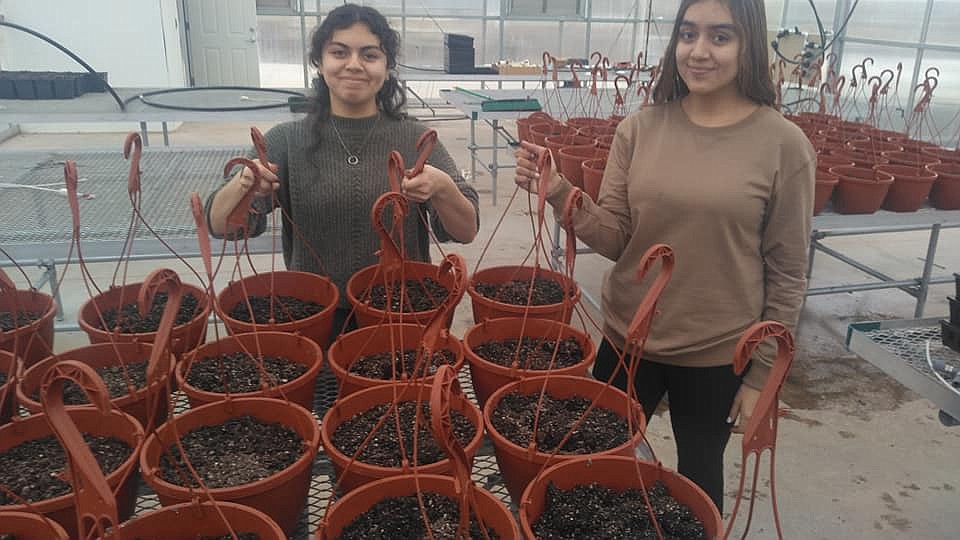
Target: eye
337,53
372,56
687,35
721,38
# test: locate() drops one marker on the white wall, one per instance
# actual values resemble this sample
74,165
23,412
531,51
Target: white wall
137,42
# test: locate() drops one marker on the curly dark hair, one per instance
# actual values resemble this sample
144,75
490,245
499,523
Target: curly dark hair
391,98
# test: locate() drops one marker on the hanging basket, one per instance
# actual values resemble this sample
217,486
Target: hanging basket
487,308
913,158
945,194
585,121
618,473
189,521
27,526
488,377
943,154
491,511
910,188
293,347
860,191
184,337
570,161
305,286
34,340
359,285
519,465
99,356
823,190
116,424
523,124
8,390
359,473
593,176
541,130
381,339
282,496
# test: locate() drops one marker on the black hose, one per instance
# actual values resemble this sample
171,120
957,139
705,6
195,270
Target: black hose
71,55
142,97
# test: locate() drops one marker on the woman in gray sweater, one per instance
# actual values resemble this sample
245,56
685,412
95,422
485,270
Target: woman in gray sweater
328,169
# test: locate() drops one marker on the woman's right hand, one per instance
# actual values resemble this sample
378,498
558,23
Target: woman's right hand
528,171
268,184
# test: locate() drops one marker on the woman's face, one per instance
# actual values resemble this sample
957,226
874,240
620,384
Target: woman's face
708,50
354,67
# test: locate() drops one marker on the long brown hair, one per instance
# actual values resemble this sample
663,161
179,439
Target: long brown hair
753,73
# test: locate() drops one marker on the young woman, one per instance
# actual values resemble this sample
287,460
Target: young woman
330,167
714,171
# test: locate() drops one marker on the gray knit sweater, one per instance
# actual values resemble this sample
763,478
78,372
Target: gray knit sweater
330,200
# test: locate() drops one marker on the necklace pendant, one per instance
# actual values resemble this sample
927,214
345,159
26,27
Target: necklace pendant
352,160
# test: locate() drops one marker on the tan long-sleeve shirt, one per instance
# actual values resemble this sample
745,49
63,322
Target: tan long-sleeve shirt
734,203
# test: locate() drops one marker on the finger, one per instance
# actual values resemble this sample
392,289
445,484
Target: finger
734,410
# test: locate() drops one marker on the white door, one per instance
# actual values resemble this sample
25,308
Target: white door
223,42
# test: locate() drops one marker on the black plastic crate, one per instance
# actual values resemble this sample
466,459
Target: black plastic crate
458,41
24,88
954,310
7,89
950,335
94,82
956,280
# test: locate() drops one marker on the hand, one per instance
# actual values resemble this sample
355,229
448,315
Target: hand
742,408
528,173
430,183
268,184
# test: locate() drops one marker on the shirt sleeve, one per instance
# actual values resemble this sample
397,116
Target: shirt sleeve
442,160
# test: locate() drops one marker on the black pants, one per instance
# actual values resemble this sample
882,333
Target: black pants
699,399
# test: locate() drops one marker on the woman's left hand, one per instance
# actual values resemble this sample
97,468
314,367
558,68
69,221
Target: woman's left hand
429,183
742,408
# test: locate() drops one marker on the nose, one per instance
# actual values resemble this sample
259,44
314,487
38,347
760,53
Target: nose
353,62
701,48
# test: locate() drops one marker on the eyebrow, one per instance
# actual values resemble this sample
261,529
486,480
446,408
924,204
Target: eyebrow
362,49
729,27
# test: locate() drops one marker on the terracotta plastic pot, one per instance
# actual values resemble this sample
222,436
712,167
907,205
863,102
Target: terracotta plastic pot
293,347
523,124
27,526
874,146
116,424
823,190
493,513
359,473
380,339
519,464
615,119
860,159
620,474
943,154
825,161
914,158
8,390
98,356
488,377
596,131
184,338
555,142
366,315
914,145
593,176
860,191
910,188
841,137
570,161
487,308
585,121
883,134
35,340
605,141
303,285
189,521
282,496
541,130
819,118
945,194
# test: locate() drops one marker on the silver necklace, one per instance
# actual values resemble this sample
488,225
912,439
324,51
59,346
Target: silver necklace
352,158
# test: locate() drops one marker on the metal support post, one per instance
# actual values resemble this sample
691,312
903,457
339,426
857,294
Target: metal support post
927,269
50,276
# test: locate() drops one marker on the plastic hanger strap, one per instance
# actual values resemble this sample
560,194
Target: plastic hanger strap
132,150
642,319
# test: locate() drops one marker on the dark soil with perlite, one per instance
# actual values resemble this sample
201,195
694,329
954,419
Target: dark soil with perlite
402,517
385,365
33,469
602,430
532,352
130,322
384,448
113,377
284,309
240,536
24,318
237,452
418,295
601,513
516,292
239,372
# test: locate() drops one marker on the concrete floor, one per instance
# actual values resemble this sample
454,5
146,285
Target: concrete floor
859,455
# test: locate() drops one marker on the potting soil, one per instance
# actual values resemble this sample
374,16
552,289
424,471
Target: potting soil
532,352
24,318
130,321
284,309
601,513
401,517
386,365
517,292
32,469
239,372
419,295
113,377
602,430
237,452
384,448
